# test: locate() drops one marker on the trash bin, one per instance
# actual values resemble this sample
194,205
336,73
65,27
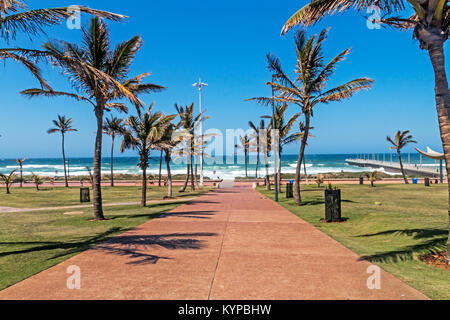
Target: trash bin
361,180
427,182
415,181
85,195
333,210
289,190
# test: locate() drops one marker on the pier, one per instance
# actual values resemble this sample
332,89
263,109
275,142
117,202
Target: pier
394,167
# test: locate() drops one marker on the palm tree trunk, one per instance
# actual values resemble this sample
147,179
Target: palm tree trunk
169,176
436,52
192,176
401,167
257,160
97,176
297,195
246,163
160,168
266,158
112,162
21,175
64,160
144,187
195,173
183,189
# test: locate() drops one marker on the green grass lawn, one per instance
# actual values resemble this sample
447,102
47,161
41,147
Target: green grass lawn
411,221
55,197
33,242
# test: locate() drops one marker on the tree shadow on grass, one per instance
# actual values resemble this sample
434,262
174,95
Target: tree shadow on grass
436,242
133,246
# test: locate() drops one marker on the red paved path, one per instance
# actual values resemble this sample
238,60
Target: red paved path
229,244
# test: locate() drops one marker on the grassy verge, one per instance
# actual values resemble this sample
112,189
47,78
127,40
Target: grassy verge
55,197
411,221
33,242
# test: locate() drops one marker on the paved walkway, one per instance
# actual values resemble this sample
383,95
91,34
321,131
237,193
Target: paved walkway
229,244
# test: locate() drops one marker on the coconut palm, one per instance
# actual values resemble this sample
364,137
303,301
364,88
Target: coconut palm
167,143
63,125
284,127
113,127
430,24
257,131
306,90
400,140
16,19
8,180
372,176
143,133
101,73
246,145
37,180
20,162
189,123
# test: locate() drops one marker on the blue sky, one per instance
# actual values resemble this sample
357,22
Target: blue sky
226,42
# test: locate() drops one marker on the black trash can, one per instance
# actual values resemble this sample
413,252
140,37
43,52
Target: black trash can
361,180
333,211
85,195
289,191
427,182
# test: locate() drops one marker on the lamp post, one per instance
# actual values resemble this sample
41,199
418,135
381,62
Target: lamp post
274,142
200,86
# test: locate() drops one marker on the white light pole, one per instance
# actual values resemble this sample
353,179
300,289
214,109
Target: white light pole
200,85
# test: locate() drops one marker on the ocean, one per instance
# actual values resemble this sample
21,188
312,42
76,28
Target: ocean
315,164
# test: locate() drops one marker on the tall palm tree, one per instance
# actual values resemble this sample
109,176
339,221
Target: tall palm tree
257,131
101,73
17,19
189,123
20,163
246,145
401,139
284,127
430,24
113,127
8,180
143,133
63,125
306,90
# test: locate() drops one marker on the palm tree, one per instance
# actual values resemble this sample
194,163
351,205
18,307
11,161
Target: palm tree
167,143
257,136
372,176
20,163
430,24
8,180
246,145
113,127
189,123
284,127
401,140
63,125
102,74
143,133
16,19
306,90
37,180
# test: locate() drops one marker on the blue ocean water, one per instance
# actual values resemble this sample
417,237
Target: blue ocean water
219,168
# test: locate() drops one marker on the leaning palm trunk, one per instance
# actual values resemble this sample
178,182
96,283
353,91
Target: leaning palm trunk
97,176
192,176
112,162
436,52
64,160
169,176
183,189
401,168
297,195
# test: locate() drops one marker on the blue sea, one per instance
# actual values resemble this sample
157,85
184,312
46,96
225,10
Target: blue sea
222,168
